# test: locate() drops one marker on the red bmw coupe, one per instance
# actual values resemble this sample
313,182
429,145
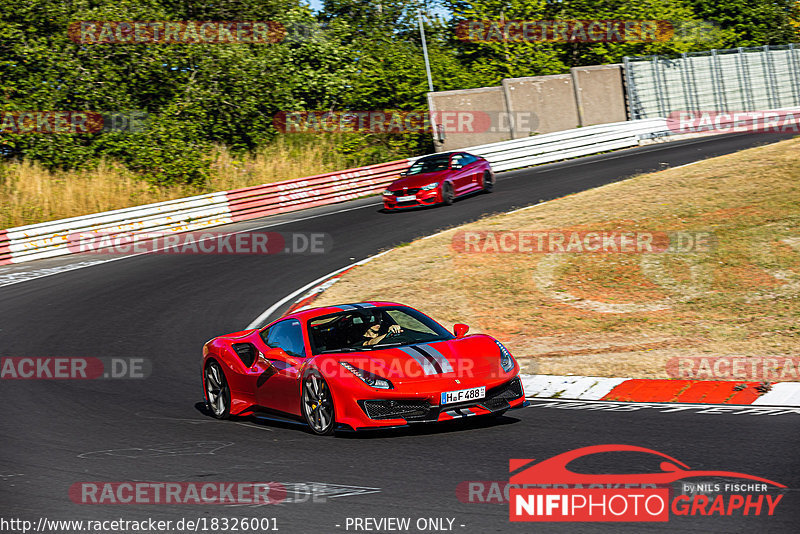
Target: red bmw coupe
438,179
358,366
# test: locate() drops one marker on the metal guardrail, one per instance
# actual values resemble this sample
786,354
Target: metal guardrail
555,146
51,239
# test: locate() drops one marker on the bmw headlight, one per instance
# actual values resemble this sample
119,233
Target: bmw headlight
428,187
388,193
369,379
506,359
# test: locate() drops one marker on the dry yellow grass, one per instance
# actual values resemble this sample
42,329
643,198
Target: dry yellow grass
278,161
586,313
30,194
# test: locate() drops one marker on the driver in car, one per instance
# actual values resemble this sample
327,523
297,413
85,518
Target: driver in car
373,336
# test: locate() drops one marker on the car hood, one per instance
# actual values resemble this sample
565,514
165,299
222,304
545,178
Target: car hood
472,357
418,180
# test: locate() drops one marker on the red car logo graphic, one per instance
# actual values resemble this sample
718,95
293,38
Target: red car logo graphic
554,470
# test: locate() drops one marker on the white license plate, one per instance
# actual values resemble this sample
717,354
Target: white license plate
407,198
463,395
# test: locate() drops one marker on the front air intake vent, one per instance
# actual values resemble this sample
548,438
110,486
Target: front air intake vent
499,398
395,409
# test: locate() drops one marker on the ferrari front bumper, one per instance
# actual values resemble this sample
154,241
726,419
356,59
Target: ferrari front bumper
380,413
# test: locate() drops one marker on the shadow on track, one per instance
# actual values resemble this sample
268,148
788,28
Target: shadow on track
421,429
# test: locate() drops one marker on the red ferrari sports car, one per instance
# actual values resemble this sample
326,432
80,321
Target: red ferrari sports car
439,179
358,366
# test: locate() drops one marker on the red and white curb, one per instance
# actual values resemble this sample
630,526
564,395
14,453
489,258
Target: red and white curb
655,390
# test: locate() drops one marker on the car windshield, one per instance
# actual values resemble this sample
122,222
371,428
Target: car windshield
370,328
431,164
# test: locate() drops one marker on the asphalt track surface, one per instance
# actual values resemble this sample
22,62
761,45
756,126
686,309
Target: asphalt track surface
164,307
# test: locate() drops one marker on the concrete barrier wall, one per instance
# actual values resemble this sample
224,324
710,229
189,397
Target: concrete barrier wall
489,100
533,105
599,94
548,100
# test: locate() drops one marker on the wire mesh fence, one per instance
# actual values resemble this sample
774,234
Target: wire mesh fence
739,79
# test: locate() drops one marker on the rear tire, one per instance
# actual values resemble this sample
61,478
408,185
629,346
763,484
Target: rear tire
488,182
317,400
447,193
218,393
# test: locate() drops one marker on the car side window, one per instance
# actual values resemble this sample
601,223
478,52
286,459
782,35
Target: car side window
466,159
286,335
457,160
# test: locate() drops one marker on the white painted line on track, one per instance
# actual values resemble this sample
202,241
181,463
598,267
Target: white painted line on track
24,276
257,322
687,164
661,407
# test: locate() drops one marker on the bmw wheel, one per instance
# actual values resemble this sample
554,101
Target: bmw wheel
447,193
218,394
488,182
318,408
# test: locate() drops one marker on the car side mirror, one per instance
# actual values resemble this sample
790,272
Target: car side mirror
280,354
460,330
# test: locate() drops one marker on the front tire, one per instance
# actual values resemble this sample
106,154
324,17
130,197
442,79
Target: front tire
488,182
447,193
318,409
218,393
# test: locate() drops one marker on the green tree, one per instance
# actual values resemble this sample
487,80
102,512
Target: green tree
195,94
751,22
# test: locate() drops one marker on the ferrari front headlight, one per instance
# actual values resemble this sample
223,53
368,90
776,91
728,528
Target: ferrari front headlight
368,378
506,359
428,187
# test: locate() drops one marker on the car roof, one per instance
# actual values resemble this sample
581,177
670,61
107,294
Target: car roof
440,155
448,154
310,313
